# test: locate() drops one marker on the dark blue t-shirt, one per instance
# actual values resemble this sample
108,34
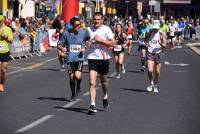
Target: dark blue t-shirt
74,43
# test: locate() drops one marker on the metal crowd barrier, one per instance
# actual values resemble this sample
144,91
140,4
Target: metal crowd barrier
19,49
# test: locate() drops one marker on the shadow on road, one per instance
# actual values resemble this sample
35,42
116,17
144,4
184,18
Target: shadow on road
52,98
134,90
50,69
75,109
134,71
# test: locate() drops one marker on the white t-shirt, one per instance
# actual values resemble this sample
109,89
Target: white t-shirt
154,43
172,29
98,51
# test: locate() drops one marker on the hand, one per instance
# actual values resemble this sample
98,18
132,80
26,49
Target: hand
64,49
87,44
98,39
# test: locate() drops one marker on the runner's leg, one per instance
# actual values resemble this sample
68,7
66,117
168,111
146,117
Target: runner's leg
92,86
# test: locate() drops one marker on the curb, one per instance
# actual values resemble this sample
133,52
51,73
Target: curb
193,47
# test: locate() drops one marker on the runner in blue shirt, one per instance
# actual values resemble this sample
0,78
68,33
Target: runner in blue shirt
73,44
142,46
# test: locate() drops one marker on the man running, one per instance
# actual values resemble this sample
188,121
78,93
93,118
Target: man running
74,42
156,40
6,37
61,56
142,46
101,37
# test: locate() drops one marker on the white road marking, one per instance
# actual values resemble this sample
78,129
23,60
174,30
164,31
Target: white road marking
69,104
22,69
34,124
178,47
86,94
47,117
172,64
181,71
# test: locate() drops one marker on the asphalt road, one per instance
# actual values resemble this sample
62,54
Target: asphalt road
36,100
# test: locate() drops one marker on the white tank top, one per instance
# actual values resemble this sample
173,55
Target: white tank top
154,43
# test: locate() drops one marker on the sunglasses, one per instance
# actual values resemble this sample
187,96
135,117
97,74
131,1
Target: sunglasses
77,24
96,19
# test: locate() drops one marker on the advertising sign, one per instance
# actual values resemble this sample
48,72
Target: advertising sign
53,39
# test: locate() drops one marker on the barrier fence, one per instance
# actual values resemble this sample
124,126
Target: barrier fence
29,45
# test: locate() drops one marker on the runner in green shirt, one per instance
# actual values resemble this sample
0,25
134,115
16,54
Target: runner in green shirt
6,37
163,26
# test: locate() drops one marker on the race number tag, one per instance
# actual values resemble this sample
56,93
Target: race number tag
154,42
75,48
118,48
171,33
1,46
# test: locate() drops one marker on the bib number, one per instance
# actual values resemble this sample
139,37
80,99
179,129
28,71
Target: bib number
75,48
172,34
118,48
154,42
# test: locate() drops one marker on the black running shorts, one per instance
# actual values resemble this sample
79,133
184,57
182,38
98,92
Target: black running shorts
72,67
100,66
4,57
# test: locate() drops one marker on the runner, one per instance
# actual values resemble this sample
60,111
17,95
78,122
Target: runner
119,50
101,37
156,40
129,32
172,34
142,46
61,56
74,42
6,37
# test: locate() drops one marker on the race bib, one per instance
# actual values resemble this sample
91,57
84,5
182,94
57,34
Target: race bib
118,48
75,48
129,36
1,46
153,42
171,33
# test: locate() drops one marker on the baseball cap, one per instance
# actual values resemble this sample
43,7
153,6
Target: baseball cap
1,18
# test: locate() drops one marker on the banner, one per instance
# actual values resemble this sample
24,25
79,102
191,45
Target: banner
177,1
53,38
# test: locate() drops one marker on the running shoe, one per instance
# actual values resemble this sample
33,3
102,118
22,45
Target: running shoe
92,110
150,88
143,69
118,76
123,70
155,89
62,68
73,98
105,103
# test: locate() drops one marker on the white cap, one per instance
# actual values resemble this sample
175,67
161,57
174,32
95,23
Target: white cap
156,21
156,26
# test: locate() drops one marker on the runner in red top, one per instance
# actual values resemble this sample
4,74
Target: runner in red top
129,32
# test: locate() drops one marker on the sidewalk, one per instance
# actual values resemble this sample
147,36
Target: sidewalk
194,45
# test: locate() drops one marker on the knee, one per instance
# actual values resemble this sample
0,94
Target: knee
150,70
3,70
157,72
92,85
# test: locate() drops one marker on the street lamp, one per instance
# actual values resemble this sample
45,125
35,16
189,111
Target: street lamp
127,2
